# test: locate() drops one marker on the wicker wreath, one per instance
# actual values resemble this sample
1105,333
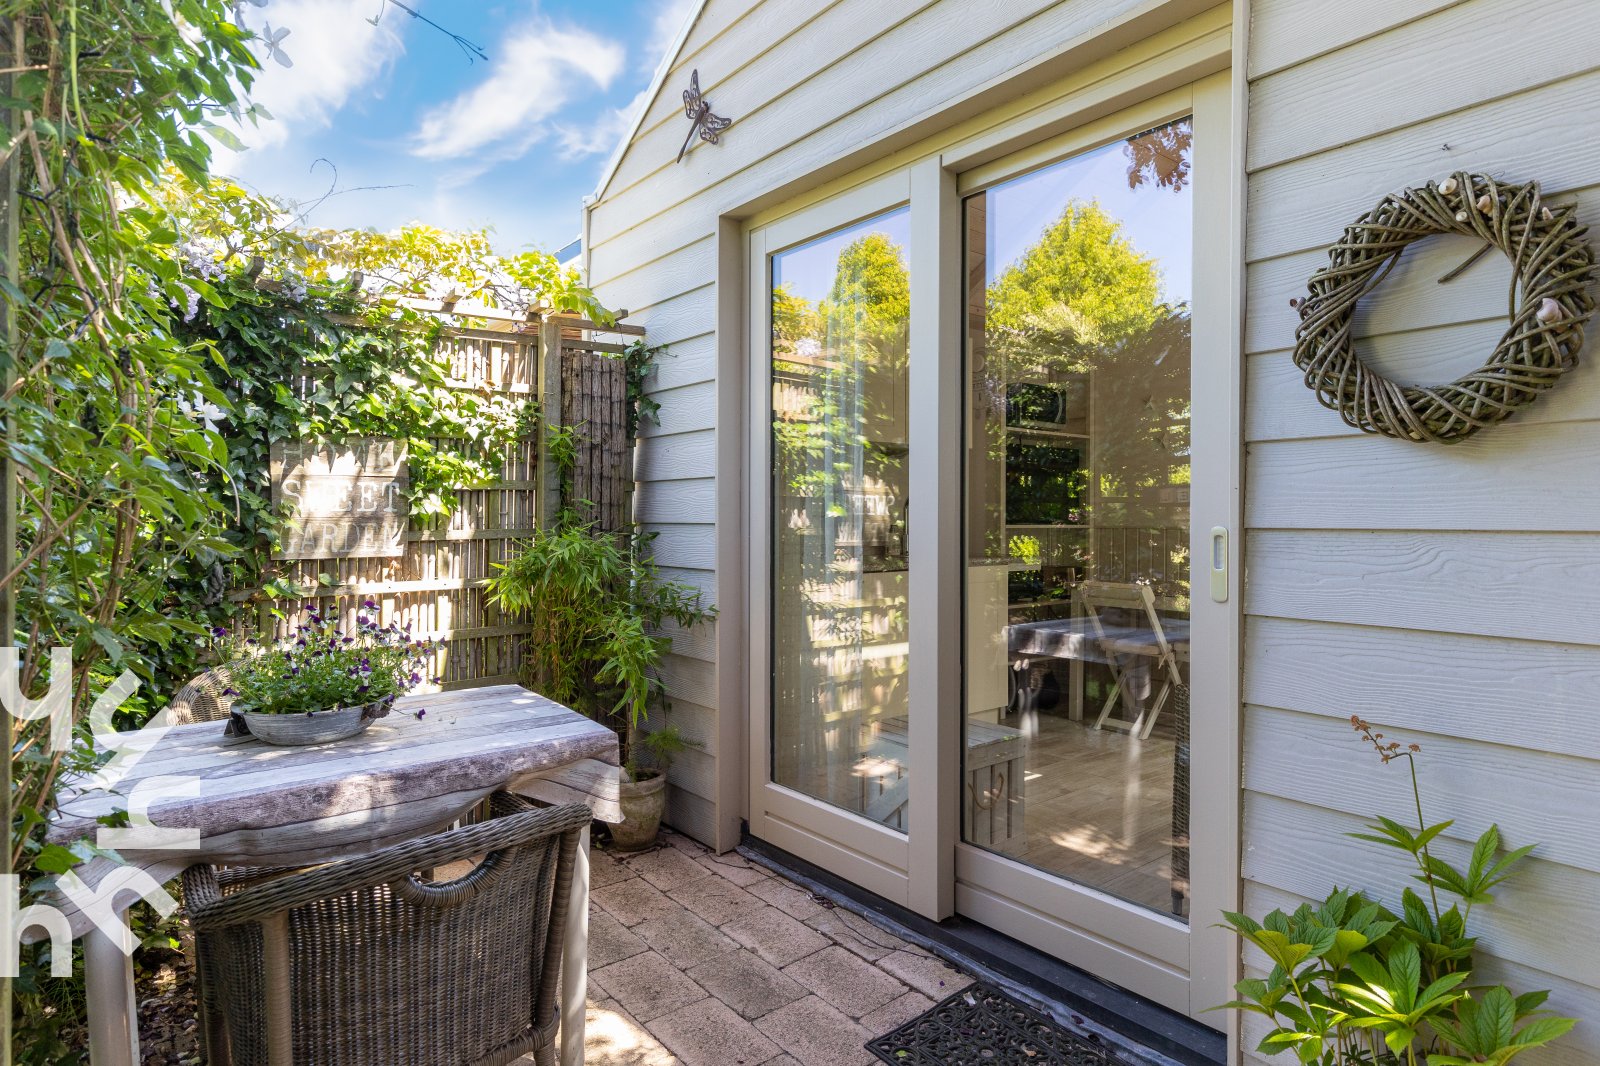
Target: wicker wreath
1552,266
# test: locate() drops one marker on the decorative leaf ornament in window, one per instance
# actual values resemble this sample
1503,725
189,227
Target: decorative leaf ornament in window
1552,266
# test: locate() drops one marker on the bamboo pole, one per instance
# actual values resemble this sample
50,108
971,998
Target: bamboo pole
9,208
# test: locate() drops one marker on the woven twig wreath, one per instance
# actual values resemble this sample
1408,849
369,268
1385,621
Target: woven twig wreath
1552,266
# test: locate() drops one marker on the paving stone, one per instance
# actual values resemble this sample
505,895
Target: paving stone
792,900
634,900
854,933
610,941
847,981
648,986
684,940
816,1034
747,983
708,1033
613,1038
895,1013
782,1060
666,868
717,901
775,936
604,869
928,975
734,867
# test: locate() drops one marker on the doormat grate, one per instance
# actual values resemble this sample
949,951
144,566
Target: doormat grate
981,1026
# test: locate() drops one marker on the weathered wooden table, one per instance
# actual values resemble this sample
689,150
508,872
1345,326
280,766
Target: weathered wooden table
253,804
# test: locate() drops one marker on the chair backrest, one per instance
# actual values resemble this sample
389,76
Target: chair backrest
204,699
385,967
1136,598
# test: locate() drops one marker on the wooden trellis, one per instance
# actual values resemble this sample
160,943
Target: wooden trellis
438,586
594,403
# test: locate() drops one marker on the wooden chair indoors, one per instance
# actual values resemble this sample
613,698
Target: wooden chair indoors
1136,631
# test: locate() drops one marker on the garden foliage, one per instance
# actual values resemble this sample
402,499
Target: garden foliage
1353,983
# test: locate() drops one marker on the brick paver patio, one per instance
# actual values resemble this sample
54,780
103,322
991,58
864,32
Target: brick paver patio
709,960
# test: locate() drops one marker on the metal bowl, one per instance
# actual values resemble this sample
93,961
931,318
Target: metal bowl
314,727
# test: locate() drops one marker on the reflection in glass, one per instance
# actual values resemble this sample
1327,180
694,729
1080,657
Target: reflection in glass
1077,328
840,308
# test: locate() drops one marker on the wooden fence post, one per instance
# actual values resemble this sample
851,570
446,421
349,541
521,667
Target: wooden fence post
548,501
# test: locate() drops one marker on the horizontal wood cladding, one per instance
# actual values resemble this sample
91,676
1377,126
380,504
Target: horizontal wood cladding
703,580
1280,407
1538,798
1461,686
1456,58
1533,921
1518,477
691,502
683,544
696,642
690,680
678,456
1543,133
1440,592
680,314
1495,584
643,284
1411,297
1286,32
689,814
688,361
685,408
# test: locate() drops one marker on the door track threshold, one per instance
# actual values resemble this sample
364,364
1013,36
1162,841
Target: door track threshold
1136,1029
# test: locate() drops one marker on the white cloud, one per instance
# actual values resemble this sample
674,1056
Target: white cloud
335,50
535,73
670,17
603,133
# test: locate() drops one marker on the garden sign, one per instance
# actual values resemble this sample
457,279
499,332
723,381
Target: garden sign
340,501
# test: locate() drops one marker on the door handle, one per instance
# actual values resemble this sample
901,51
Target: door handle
1219,563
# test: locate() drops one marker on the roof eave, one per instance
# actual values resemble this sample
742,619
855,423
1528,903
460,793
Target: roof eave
668,61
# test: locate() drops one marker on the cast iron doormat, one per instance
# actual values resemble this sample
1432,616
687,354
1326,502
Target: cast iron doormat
981,1026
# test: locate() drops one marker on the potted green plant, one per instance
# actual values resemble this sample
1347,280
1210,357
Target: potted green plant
644,794
597,604
1354,983
321,683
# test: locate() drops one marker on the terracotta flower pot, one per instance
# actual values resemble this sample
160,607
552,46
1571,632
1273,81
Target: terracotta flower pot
642,804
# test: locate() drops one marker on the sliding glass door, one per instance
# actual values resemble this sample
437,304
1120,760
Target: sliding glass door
993,456
1078,471
840,311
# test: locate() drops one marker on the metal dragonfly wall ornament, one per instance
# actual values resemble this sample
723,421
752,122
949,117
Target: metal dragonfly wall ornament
698,108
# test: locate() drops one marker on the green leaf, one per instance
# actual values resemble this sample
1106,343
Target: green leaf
55,859
1543,1030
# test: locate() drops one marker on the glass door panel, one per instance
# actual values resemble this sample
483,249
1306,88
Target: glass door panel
1077,515
840,309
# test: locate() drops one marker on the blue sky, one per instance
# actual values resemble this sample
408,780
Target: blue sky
417,133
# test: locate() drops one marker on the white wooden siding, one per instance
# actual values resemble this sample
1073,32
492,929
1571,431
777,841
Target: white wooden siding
1444,593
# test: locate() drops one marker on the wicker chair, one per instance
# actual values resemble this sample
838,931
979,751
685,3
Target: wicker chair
371,965
204,699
